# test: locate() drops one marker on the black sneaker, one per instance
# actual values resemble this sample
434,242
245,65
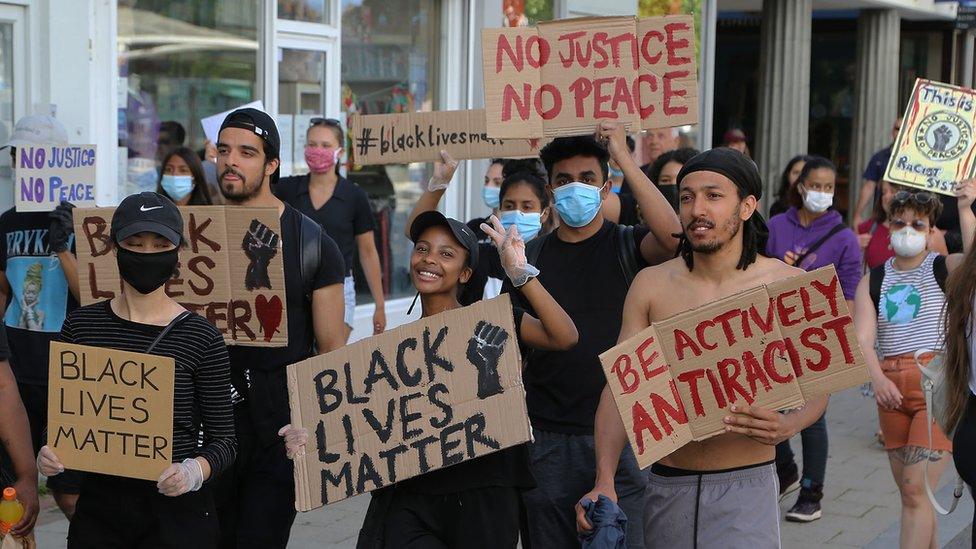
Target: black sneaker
807,507
789,480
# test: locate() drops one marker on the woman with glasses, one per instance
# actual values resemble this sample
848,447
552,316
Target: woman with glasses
898,311
342,209
809,235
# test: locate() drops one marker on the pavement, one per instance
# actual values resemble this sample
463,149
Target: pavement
861,504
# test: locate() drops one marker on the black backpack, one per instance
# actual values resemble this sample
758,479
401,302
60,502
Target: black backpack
310,233
876,277
626,251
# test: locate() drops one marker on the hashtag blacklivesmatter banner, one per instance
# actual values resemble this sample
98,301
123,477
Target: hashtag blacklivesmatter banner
936,145
430,394
563,77
231,270
775,346
420,136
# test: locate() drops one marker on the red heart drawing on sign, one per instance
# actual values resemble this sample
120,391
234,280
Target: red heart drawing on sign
269,314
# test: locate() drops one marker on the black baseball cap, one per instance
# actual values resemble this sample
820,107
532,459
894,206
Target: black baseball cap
462,233
258,122
147,212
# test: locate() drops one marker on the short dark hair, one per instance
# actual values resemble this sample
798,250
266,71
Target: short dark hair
200,196
525,172
562,148
175,130
681,156
813,163
932,210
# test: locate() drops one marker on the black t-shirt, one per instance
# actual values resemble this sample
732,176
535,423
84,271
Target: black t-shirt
344,216
563,387
949,221
39,297
489,265
509,467
258,373
4,346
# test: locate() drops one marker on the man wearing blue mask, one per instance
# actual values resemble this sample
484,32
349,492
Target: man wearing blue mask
587,264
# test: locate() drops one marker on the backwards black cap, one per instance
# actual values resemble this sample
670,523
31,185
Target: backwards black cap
744,174
263,126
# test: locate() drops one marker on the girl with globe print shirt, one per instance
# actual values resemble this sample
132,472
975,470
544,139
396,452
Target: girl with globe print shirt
896,318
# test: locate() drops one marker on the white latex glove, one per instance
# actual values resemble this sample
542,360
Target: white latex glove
295,440
48,463
443,172
180,478
511,251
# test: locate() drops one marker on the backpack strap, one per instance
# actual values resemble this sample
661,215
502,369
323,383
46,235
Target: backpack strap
928,388
816,245
941,271
169,327
310,235
627,252
875,278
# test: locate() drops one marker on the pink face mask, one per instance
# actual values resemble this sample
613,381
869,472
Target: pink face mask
321,160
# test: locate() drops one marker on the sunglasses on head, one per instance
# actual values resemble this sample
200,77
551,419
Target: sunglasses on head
325,122
922,198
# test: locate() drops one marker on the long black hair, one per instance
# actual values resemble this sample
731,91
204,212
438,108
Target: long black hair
813,163
783,193
200,195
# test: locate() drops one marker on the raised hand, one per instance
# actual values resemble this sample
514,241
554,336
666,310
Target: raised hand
484,350
965,193
61,228
443,172
260,246
511,251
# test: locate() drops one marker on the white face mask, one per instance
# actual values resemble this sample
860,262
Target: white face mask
908,242
817,201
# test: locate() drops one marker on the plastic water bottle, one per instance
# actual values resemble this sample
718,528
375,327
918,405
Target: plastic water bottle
11,510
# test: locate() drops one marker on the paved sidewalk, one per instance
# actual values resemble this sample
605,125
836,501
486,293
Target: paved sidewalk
861,504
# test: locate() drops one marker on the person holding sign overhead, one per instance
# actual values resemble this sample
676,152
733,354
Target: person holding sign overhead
178,509
719,492
899,312
256,499
474,503
38,287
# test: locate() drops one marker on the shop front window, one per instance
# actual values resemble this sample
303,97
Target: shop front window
311,11
179,61
390,64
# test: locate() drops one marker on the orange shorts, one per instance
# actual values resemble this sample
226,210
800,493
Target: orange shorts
906,425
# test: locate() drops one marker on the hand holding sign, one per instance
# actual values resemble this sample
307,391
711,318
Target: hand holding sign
62,227
965,193
443,172
484,349
260,246
760,424
48,463
180,478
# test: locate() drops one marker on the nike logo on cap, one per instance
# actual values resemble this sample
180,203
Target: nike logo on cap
143,208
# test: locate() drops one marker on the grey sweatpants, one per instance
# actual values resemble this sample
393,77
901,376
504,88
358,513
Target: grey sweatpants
734,510
564,467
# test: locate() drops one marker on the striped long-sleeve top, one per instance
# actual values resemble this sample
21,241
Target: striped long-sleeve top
203,421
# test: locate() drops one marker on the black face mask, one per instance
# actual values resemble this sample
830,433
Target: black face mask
146,272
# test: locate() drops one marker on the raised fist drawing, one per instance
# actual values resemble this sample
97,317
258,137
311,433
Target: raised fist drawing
942,136
260,246
484,349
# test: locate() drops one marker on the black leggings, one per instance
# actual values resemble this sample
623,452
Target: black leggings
964,449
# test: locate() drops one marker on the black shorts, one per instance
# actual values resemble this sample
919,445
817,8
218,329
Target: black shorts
35,402
481,517
122,512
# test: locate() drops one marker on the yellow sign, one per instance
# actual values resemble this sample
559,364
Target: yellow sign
935,146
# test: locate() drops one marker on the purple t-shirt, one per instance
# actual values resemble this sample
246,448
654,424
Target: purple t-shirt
789,240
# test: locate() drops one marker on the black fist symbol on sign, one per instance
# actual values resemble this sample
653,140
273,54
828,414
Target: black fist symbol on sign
260,246
485,348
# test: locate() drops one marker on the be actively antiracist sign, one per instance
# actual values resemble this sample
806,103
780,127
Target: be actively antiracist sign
427,395
231,271
775,346
935,147
111,411
420,136
562,77
46,175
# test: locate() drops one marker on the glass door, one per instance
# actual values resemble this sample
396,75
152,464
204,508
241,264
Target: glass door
303,94
13,96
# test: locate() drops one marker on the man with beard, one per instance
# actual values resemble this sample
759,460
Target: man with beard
256,499
719,492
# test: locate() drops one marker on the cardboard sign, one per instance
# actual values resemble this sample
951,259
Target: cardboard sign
935,146
775,346
430,394
44,175
420,136
111,411
231,271
563,77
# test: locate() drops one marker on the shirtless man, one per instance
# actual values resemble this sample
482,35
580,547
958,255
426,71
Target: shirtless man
719,492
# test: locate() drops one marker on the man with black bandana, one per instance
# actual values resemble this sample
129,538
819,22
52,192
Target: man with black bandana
719,492
256,499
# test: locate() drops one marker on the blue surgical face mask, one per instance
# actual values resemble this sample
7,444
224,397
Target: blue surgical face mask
491,196
177,186
616,172
528,224
577,203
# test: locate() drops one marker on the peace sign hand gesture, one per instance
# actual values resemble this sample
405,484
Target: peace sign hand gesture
511,251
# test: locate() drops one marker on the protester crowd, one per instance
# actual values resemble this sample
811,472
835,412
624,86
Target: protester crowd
592,248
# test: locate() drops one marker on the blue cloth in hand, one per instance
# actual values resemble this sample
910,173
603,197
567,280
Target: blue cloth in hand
609,525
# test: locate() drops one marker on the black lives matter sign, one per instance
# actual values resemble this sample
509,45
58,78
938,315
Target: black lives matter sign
110,411
431,394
